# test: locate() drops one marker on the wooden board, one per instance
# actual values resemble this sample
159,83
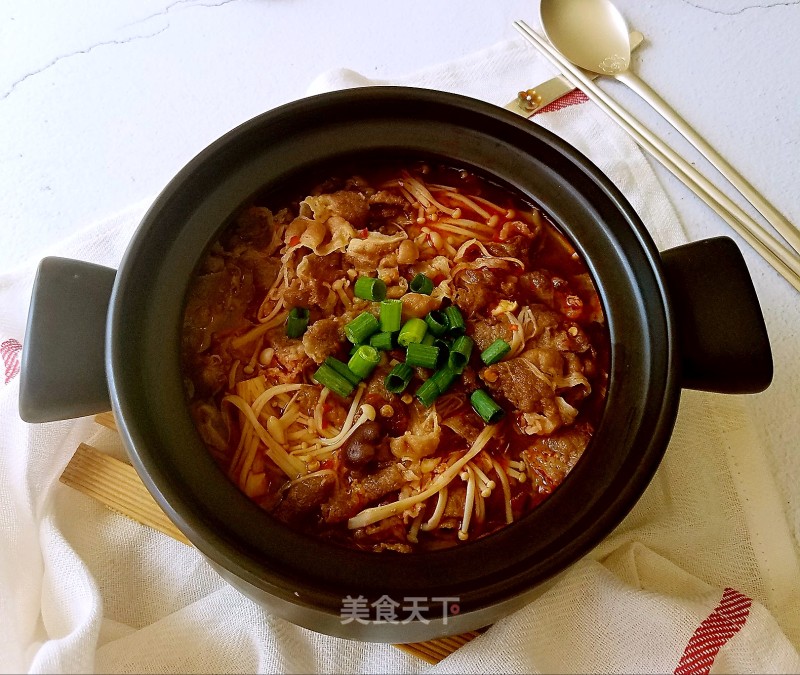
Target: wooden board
117,485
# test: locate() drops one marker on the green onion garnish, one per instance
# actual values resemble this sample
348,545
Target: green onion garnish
398,378
455,322
428,392
328,377
429,339
341,368
437,322
424,356
391,315
413,331
444,351
369,288
296,322
495,352
484,405
443,378
460,352
360,328
382,341
421,284
363,362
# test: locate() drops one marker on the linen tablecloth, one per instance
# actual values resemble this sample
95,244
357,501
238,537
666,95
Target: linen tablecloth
703,574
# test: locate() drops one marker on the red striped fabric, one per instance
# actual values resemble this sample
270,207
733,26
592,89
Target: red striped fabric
573,98
9,352
720,626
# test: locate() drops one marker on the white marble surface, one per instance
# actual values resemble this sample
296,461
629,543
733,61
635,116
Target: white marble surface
101,103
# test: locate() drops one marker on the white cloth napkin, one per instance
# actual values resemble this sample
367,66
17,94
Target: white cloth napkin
702,573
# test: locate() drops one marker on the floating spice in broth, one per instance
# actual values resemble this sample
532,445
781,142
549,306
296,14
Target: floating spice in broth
402,359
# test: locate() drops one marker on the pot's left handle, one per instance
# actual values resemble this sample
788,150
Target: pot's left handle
63,356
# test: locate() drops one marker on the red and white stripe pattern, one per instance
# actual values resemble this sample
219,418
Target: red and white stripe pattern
575,97
9,352
727,619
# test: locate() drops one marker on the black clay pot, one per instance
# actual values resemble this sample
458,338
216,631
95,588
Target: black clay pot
687,318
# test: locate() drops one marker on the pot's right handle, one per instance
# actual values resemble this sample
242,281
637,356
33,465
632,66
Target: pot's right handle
721,332
63,356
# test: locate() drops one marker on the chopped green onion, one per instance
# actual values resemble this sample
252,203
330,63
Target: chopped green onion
413,331
382,341
460,352
296,322
398,378
455,322
328,377
495,352
444,351
443,378
424,356
428,392
437,322
429,339
363,362
484,405
341,368
369,288
421,284
360,328
391,315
